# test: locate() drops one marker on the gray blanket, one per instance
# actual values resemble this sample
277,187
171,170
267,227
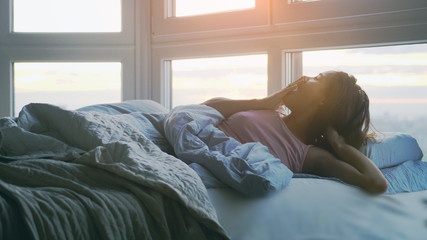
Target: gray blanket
85,175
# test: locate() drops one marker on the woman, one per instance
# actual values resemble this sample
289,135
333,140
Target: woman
328,123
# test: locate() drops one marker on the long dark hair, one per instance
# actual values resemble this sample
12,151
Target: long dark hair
346,108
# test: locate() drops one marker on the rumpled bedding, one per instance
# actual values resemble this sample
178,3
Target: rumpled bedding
110,172
89,175
250,169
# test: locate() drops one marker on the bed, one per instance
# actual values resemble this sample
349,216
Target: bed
134,170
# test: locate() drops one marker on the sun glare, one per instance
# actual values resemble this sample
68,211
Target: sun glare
67,84
380,66
45,77
185,8
238,77
67,16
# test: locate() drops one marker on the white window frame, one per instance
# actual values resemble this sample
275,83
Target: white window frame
124,47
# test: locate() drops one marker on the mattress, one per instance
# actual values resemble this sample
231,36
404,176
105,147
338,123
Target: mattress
321,209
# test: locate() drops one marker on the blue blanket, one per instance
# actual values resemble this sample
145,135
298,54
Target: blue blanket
250,168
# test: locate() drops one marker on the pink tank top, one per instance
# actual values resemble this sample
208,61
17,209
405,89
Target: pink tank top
266,127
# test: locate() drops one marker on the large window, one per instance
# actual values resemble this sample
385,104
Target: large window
239,77
350,11
69,85
186,16
395,79
66,16
273,27
184,8
69,53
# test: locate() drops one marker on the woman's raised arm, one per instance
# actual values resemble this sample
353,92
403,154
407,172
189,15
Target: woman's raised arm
228,107
349,165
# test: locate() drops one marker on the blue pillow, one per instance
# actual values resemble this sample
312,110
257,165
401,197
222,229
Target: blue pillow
392,148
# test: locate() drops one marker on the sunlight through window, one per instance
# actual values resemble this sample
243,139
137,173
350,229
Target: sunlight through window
395,79
67,16
299,1
198,7
197,80
68,85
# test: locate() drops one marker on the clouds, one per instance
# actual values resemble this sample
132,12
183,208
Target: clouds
51,77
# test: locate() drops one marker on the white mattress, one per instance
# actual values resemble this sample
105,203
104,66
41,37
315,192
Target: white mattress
322,209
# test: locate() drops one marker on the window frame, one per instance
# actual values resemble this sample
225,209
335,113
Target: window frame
124,47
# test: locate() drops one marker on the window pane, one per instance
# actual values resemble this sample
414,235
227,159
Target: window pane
68,85
298,1
67,16
197,80
198,7
395,79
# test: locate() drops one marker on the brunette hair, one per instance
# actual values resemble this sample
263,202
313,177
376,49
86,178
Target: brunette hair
346,108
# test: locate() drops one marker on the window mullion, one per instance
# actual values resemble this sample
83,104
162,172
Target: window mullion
292,67
274,71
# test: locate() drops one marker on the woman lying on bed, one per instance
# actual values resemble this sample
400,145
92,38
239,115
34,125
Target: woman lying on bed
328,123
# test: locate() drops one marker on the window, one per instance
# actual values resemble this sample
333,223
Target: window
54,42
66,16
300,1
351,12
185,8
394,77
275,27
190,16
197,80
68,85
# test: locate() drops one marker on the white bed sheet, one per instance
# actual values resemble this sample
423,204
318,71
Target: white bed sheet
322,209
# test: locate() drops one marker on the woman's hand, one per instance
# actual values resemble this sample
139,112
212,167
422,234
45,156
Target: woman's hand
275,100
228,107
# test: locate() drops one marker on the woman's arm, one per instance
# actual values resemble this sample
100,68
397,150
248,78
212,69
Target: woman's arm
228,107
351,166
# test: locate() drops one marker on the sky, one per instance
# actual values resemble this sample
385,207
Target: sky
67,15
192,7
401,70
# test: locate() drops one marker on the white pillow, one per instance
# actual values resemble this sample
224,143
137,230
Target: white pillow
392,148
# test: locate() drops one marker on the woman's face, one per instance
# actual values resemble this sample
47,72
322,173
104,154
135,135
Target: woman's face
309,94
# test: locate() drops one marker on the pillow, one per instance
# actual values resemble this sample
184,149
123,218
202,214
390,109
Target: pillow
392,148
409,176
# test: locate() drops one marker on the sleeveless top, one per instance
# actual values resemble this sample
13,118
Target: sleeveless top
267,127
